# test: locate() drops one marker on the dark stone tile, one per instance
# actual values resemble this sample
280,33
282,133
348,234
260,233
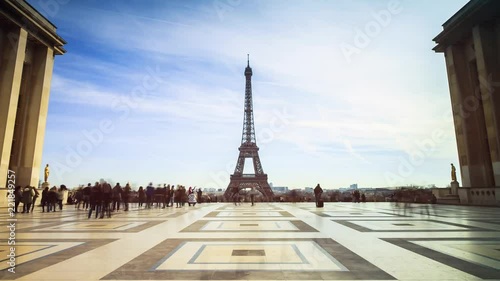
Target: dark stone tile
250,253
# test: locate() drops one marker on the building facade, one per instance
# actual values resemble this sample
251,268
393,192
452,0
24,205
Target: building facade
470,42
28,45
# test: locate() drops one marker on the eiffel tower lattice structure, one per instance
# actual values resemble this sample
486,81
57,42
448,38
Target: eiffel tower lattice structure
248,149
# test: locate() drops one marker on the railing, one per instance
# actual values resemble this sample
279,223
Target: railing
261,176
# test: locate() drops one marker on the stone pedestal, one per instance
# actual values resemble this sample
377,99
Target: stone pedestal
454,187
45,184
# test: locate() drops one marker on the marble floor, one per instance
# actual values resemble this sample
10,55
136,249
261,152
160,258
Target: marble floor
276,241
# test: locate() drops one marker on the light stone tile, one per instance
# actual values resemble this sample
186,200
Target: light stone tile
249,226
248,214
291,255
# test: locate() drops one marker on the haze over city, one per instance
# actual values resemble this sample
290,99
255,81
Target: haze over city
344,92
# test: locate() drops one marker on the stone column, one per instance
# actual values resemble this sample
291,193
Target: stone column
12,52
470,128
37,91
486,45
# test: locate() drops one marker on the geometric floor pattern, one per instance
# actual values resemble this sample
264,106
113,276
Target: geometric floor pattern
269,241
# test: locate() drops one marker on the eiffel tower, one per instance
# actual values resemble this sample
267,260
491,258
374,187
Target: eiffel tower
248,149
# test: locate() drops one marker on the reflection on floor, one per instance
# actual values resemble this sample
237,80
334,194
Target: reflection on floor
277,241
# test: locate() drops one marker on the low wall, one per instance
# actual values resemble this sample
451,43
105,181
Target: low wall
484,196
441,192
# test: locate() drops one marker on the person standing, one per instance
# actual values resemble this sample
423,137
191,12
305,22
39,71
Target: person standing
172,194
184,195
60,196
252,195
191,198
142,196
52,198
95,200
86,196
117,196
199,194
166,195
126,196
78,198
150,192
36,195
45,199
318,191
27,198
106,200
18,196
177,197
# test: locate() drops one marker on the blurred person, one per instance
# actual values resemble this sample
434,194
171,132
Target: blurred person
86,196
150,191
27,198
95,200
142,196
117,196
52,199
126,196
35,196
60,196
45,199
106,200
78,198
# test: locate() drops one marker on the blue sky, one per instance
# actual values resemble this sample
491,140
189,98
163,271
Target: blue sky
153,91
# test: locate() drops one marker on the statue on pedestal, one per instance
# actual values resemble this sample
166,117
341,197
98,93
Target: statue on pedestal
453,173
47,172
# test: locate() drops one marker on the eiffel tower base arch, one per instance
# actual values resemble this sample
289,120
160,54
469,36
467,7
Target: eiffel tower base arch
242,182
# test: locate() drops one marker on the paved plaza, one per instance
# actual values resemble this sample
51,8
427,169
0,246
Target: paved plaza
276,241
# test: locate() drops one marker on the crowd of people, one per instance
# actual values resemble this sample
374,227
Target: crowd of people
29,195
102,200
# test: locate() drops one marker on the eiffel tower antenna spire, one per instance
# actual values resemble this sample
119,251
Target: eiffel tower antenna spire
248,149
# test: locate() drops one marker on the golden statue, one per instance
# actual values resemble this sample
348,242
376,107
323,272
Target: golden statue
47,172
453,173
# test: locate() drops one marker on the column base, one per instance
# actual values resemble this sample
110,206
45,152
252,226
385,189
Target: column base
454,187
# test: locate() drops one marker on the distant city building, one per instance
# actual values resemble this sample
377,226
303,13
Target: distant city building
353,186
470,41
281,189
